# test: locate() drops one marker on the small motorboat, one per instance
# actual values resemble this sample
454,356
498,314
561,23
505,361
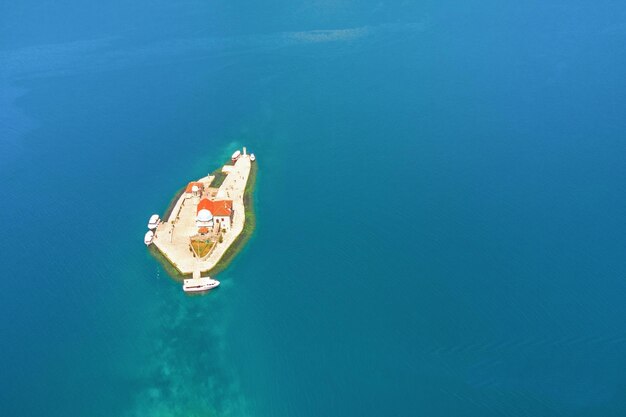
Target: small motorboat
252,157
199,284
236,155
148,238
153,222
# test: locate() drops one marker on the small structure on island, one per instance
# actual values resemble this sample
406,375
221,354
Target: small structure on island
194,189
204,217
216,214
223,213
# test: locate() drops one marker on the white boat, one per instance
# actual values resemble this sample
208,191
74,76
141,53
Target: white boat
199,284
147,239
236,155
153,222
252,157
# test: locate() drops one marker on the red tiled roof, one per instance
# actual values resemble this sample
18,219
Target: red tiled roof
204,204
191,184
217,208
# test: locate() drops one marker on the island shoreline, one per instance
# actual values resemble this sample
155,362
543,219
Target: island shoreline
233,250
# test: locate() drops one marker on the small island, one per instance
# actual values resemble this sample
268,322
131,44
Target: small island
207,219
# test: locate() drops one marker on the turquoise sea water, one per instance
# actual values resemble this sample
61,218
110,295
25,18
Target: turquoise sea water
440,208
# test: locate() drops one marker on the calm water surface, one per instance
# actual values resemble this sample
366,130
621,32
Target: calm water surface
440,208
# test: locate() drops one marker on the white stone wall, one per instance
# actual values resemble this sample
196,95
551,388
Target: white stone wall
224,221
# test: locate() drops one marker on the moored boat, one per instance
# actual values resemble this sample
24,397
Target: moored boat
252,157
153,222
147,239
199,284
236,155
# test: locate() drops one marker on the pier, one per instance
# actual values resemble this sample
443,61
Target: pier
174,236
